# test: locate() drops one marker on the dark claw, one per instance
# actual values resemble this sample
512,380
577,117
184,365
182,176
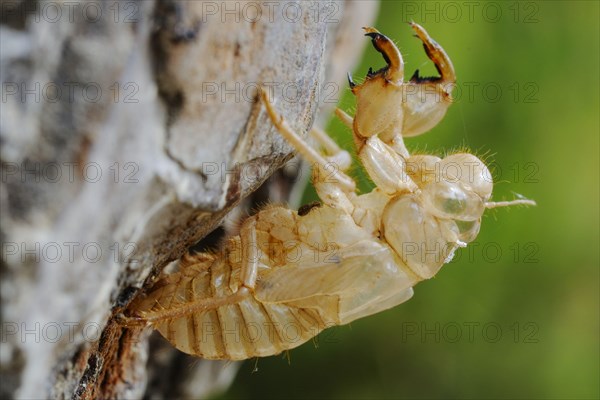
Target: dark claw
435,53
377,38
394,70
420,79
373,35
370,73
350,81
415,77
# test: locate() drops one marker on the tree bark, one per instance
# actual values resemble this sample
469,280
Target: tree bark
129,130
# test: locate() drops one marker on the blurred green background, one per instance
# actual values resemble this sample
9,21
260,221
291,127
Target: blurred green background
516,315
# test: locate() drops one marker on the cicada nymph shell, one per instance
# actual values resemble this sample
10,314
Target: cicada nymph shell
290,274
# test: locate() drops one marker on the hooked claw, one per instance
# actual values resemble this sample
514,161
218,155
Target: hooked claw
350,81
436,53
394,72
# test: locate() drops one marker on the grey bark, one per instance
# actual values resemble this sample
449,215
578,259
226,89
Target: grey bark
127,136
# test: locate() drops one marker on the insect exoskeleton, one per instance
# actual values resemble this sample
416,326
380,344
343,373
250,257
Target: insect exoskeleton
288,275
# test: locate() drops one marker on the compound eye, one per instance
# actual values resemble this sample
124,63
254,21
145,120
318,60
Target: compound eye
470,171
452,201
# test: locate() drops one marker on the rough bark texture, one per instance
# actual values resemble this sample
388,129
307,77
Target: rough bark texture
129,130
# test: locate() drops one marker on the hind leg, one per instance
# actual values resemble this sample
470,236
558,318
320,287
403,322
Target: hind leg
171,299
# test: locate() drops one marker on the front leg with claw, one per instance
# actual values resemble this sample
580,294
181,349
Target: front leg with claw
392,108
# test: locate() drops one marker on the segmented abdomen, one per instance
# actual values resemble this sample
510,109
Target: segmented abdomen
237,331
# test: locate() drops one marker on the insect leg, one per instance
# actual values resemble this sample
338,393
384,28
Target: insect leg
344,117
337,155
249,244
385,166
184,309
436,53
395,70
396,143
304,148
426,99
